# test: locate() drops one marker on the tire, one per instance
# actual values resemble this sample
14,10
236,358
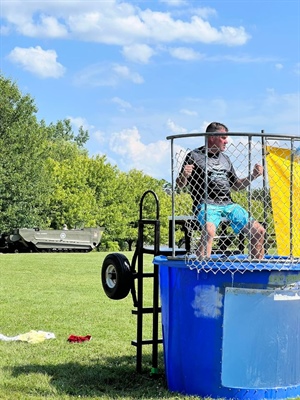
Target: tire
116,276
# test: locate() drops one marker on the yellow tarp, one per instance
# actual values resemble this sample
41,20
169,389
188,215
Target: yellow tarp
284,181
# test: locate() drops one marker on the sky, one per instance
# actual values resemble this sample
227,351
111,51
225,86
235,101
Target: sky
134,73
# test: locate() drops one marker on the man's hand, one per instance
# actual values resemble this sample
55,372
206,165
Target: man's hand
182,179
257,171
187,170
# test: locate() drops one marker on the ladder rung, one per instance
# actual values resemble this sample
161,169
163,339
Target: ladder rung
146,310
148,251
143,275
145,341
148,275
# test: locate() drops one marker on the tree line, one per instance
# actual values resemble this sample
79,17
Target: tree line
48,178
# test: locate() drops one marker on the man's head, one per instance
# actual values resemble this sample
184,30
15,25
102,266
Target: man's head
216,127
217,143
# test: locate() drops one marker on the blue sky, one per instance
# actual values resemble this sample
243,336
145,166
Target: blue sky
135,72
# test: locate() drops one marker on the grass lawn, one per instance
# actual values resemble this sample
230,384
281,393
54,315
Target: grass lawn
62,293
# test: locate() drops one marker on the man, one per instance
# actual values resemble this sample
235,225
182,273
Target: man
210,176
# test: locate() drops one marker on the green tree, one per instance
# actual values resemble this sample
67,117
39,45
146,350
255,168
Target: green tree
24,189
72,200
135,184
62,130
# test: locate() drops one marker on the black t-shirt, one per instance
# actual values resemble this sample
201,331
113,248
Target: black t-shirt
220,177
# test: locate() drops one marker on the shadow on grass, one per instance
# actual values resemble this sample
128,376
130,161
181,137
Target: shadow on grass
104,377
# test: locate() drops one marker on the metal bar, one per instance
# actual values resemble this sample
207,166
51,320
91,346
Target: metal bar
291,196
204,228
145,341
173,198
249,188
265,199
155,296
270,135
155,320
145,310
139,333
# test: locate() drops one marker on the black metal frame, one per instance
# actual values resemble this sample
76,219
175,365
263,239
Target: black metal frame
139,275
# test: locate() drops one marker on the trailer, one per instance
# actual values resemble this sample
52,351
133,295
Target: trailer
24,240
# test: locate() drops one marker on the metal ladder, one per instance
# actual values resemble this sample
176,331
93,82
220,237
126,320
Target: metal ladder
139,275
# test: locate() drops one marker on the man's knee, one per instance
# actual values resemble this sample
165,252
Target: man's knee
258,229
210,229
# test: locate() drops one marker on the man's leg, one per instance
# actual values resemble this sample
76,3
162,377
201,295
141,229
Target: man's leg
239,219
209,218
257,249
257,238
206,240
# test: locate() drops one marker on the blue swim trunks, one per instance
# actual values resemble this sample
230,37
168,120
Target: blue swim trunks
235,214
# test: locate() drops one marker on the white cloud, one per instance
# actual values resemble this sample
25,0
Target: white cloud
131,152
204,12
161,27
138,53
127,142
121,103
125,73
278,66
33,19
240,59
184,53
48,26
176,129
106,74
100,137
37,61
188,112
78,122
175,3
116,23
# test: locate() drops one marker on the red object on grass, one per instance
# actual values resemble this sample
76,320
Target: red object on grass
79,339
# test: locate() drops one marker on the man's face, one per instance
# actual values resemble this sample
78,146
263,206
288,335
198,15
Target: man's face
218,143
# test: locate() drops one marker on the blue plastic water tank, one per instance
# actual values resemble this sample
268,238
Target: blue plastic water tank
231,334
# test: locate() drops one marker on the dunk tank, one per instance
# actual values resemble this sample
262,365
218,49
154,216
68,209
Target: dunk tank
231,323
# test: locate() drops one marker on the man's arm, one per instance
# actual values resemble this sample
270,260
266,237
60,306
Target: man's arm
241,184
184,175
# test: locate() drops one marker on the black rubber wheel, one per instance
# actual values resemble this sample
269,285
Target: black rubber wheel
116,276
